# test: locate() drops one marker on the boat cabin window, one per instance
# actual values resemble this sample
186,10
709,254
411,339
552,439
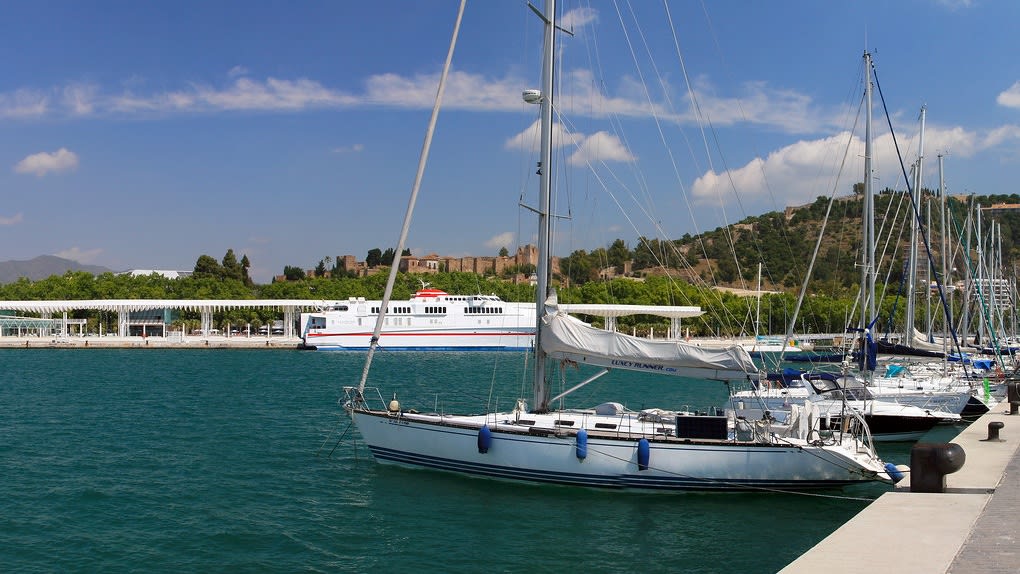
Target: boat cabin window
394,311
483,310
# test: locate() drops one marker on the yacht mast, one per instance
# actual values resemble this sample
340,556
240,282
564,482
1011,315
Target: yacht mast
868,221
545,168
946,279
915,225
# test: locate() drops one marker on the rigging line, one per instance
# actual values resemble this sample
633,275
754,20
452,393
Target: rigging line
923,234
683,260
662,84
760,163
971,265
349,425
892,259
818,244
662,138
422,160
605,187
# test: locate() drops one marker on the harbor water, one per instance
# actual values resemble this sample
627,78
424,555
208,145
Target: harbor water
126,460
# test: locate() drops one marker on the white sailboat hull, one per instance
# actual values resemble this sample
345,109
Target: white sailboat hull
612,461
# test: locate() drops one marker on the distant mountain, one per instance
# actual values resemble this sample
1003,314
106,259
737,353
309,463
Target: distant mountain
42,267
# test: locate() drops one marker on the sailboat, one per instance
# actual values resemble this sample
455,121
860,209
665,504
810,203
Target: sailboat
609,445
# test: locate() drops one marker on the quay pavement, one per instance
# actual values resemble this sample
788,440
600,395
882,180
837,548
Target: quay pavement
971,528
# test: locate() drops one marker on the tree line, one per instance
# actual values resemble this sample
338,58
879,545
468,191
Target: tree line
653,272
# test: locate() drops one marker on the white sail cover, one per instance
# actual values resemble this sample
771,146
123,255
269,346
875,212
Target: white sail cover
921,342
568,338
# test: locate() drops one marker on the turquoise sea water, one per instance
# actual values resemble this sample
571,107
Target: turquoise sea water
220,460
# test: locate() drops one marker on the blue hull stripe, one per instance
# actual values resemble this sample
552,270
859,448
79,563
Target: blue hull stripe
622,481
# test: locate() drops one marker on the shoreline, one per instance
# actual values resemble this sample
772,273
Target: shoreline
198,342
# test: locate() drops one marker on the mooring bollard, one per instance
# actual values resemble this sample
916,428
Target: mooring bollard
993,431
931,462
1013,397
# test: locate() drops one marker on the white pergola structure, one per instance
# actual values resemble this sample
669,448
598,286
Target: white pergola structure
611,312
291,308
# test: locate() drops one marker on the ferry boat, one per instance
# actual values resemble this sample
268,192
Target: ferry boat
431,320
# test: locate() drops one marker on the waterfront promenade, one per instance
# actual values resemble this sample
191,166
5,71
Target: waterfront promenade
189,342
971,528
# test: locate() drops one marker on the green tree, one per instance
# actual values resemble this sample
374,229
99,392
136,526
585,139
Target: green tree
374,257
245,266
578,267
293,273
618,254
206,266
232,269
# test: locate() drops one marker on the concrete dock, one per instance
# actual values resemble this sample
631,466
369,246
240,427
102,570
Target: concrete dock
971,528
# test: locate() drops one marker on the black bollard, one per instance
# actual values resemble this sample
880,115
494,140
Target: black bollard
1013,397
993,431
931,462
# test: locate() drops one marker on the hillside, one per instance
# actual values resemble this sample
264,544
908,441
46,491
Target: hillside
42,267
784,243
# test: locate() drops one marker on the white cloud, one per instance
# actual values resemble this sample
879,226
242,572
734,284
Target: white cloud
1011,97
786,110
13,220
600,147
807,169
585,95
24,104
243,94
505,239
79,99
355,148
41,163
80,255
999,135
464,91
578,18
953,5
528,140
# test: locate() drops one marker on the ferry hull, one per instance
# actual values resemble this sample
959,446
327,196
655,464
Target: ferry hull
503,340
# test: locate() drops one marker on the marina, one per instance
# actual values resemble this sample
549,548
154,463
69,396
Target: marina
229,459
460,430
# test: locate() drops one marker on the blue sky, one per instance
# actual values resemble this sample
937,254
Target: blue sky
144,134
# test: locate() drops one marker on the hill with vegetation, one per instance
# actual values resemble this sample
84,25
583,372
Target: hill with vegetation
42,267
685,271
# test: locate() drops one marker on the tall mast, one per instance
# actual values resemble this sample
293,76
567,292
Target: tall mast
540,389
757,313
915,225
946,279
981,289
868,221
927,271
